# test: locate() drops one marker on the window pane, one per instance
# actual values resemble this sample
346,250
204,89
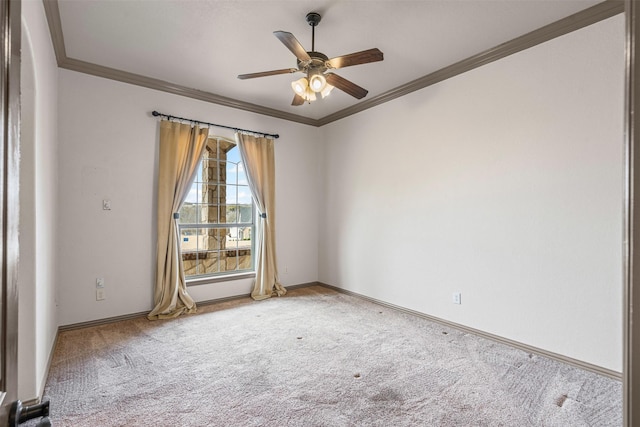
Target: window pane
188,213
231,214
210,263
188,240
209,214
231,260
232,238
211,239
245,213
242,175
194,194
244,194
244,259
209,194
199,173
233,155
221,195
189,263
244,237
203,240
231,193
197,266
222,214
239,238
213,171
232,173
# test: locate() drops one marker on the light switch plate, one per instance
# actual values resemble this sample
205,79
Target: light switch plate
457,298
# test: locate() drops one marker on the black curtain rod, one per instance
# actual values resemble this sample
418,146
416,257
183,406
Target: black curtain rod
156,114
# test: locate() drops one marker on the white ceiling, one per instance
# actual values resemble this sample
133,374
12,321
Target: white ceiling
205,44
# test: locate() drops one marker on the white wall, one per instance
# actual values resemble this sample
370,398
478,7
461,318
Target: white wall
108,150
505,184
37,321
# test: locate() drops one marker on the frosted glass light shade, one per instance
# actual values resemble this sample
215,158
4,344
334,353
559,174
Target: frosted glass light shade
300,86
317,82
326,91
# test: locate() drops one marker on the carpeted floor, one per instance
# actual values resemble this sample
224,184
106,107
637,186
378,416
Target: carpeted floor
315,357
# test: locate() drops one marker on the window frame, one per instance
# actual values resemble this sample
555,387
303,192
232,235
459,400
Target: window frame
221,276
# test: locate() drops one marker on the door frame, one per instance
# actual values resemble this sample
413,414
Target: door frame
631,322
10,18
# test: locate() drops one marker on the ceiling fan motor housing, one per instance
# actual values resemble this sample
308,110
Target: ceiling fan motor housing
318,62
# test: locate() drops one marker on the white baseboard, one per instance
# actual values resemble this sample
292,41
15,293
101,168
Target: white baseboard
521,346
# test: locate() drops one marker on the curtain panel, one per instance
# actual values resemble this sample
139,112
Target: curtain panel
259,163
181,146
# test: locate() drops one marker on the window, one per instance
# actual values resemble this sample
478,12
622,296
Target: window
217,218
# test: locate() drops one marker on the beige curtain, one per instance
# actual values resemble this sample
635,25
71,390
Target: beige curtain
257,156
181,147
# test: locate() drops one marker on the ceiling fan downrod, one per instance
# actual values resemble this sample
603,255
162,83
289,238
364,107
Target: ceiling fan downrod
313,18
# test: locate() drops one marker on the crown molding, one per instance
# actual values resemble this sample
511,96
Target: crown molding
52,12
164,86
564,26
561,27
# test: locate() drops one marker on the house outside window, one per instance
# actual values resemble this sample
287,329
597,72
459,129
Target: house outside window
217,218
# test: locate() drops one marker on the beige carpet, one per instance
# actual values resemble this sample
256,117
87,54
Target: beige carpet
313,358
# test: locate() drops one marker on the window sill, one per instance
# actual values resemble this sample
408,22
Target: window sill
217,279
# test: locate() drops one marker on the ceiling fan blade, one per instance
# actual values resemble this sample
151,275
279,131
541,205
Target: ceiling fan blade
364,57
293,45
297,100
346,86
267,73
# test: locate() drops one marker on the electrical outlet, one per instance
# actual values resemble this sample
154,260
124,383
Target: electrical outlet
100,282
101,294
457,298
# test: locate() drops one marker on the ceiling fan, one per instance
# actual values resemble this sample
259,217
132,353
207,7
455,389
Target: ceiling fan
315,66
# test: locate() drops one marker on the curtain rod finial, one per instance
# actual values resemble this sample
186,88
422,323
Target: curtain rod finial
155,113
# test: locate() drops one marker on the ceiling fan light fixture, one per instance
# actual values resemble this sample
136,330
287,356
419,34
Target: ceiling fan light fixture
317,82
303,89
326,91
300,86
